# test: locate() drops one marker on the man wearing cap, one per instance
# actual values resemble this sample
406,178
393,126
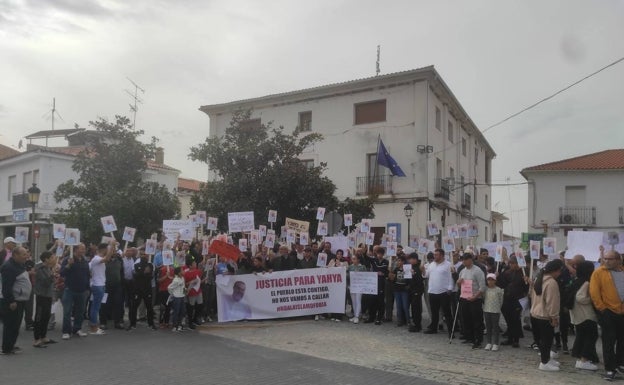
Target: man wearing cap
16,289
471,302
7,251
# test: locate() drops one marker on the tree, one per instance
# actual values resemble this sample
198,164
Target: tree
258,169
110,182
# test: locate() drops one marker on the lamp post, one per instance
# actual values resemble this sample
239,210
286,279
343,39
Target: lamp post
33,199
409,211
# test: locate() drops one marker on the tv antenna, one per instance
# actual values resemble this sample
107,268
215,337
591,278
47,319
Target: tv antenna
135,97
51,115
377,69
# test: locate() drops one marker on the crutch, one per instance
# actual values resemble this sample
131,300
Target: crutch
454,323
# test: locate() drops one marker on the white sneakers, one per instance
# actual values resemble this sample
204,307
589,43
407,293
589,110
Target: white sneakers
80,333
354,320
494,348
548,367
585,365
554,363
488,347
65,336
98,332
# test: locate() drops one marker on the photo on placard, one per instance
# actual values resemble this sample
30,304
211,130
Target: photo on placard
72,237
262,229
365,225
320,213
242,244
534,249
352,240
201,217
613,238
205,247
108,223
212,223
550,246
463,230
370,238
269,241
21,234
453,231
413,241
423,246
291,236
392,232
270,231
322,228
392,249
150,247
60,247
519,253
321,260
473,229
348,220
129,234
449,244
59,230
167,257
432,228
168,245
498,254
272,216
254,237
304,239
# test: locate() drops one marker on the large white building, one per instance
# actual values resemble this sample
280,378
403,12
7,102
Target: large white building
585,192
446,159
49,167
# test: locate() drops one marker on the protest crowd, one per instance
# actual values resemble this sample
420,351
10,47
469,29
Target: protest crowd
465,292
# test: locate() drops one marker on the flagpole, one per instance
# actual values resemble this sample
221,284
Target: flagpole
376,163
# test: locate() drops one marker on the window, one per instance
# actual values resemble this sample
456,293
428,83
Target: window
487,206
464,146
12,185
438,119
370,112
27,181
476,155
250,124
488,175
450,131
308,163
487,235
305,121
372,167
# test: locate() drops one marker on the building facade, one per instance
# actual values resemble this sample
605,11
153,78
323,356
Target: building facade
446,159
584,192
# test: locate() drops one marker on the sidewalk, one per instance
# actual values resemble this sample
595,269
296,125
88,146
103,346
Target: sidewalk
390,348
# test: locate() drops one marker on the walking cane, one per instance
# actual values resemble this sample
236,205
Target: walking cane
454,323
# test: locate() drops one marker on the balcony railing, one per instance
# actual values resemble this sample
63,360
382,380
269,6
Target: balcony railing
466,202
621,215
442,189
19,201
368,185
577,215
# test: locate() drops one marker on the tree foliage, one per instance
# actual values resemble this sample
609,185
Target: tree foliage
258,169
111,182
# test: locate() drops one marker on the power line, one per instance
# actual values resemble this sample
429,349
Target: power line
553,95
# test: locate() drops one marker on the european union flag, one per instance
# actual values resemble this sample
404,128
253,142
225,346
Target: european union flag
384,159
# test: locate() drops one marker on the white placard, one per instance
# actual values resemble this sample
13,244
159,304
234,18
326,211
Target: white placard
59,230
21,234
321,260
108,224
272,216
364,282
202,218
212,223
304,239
348,219
585,243
320,213
432,228
550,246
534,249
150,246
172,227
322,228
262,229
128,234
365,226
392,249
242,244
241,222
72,237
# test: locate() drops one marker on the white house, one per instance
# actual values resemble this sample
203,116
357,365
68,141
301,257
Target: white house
48,167
186,189
446,159
577,193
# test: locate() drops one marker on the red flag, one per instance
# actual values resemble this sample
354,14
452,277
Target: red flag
224,249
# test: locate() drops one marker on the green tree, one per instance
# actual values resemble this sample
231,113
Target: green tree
110,182
258,169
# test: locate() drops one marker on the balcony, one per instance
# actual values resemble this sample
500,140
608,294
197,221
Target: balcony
577,215
378,185
19,201
442,188
466,202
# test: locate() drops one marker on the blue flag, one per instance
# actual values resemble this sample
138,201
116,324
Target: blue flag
384,159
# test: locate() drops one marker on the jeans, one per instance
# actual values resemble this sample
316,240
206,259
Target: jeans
402,304
491,327
177,305
73,303
356,300
11,321
544,333
612,338
42,316
94,312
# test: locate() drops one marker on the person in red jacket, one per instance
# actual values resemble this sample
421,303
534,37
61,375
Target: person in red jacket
165,277
192,279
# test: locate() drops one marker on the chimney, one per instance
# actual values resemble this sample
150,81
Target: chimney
159,155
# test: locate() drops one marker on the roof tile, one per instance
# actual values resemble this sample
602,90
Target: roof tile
604,160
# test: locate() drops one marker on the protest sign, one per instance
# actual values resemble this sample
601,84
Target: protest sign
449,244
150,246
58,230
550,246
322,228
413,241
291,236
187,233
269,241
453,231
108,223
205,247
365,226
473,229
128,234
304,239
212,223
320,213
290,293
224,249
21,234
392,249
241,222
407,271
466,289
201,217
262,230
432,228
298,226
60,247
272,216
339,242
254,237
352,240
392,232
193,219
534,249
242,244
321,260
463,230
585,243
370,238
172,227
364,282
348,220
167,257
72,237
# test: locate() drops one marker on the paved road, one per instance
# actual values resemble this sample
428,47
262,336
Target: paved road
150,357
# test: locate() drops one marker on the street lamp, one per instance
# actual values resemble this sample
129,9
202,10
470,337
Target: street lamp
409,211
33,199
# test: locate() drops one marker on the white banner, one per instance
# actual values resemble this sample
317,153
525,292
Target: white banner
364,282
280,294
171,228
339,242
241,222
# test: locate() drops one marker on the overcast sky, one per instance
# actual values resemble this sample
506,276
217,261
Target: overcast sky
496,56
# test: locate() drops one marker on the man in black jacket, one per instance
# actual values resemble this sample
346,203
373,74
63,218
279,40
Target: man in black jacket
16,289
416,288
143,273
515,284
